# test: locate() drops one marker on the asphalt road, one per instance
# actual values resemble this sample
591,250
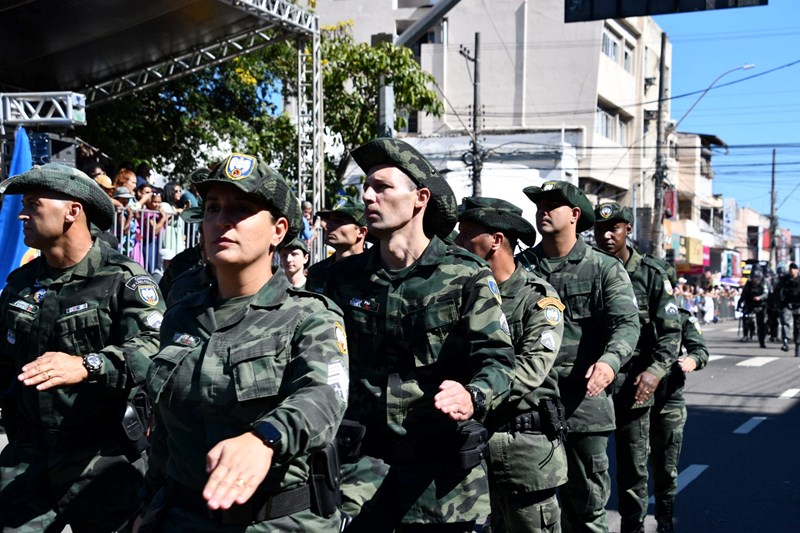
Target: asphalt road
740,465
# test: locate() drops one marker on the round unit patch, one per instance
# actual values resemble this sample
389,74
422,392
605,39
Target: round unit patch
341,337
495,290
552,314
239,166
605,211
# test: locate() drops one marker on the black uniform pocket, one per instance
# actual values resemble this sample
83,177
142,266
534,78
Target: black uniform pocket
162,368
428,329
18,332
79,333
254,368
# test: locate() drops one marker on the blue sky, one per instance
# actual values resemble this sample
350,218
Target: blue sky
752,116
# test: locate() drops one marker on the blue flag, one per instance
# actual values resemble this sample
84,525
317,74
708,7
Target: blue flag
12,247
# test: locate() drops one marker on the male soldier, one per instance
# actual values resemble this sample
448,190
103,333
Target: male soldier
526,456
789,302
655,352
79,325
668,417
429,349
601,328
754,302
345,231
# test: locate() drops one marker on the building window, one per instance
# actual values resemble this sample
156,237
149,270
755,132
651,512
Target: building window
623,131
604,123
613,125
611,45
627,59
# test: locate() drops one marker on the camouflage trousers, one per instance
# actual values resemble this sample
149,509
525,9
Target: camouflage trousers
413,497
632,440
585,494
790,319
91,489
667,419
524,471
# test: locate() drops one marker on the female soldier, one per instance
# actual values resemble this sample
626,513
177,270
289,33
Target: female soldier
252,377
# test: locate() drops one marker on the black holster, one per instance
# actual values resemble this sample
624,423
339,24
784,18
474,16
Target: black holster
473,441
326,497
349,440
135,422
554,418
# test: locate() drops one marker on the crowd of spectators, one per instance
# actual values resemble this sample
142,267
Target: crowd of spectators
710,300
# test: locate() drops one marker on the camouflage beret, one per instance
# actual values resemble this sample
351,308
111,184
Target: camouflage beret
441,214
297,244
69,181
348,207
499,215
255,177
613,212
570,194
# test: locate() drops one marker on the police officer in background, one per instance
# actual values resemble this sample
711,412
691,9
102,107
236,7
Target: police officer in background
657,349
754,304
601,329
789,302
430,354
79,325
526,453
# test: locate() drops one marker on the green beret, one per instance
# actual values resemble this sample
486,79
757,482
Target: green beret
69,181
570,194
348,207
441,214
497,214
297,244
613,212
256,178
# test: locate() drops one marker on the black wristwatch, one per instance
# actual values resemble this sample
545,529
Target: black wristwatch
93,363
267,433
478,401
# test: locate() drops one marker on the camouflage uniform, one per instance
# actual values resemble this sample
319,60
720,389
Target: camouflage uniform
525,467
68,459
318,273
667,419
225,368
278,357
656,351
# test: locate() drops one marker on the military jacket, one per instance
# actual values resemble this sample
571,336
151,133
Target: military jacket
318,273
280,357
600,325
660,336
105,304
752,291
535,318
789,291
695,344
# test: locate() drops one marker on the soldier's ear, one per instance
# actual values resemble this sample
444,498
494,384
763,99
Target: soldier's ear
423,196
74,211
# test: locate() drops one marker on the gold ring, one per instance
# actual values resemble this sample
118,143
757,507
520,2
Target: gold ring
240,483
47,374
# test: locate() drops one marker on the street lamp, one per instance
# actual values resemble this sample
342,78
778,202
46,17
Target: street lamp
661,166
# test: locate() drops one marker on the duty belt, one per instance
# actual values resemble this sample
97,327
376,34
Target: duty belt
530,421
261,506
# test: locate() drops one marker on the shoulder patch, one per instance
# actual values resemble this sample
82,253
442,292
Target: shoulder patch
548,340
341,337
544,302
145,288
495,289
667,286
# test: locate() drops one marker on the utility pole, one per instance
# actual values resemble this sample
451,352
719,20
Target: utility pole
661,165
477,154
773,221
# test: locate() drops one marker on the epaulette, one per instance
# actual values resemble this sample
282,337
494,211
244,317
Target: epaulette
327,302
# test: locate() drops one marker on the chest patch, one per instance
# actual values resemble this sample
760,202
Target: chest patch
366,305
25,306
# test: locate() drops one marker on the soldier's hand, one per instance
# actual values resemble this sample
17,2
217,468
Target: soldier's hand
646,385
53,369
237,467
600,376
688,364
454,400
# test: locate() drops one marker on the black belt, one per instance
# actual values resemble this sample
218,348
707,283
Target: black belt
530,421
261,506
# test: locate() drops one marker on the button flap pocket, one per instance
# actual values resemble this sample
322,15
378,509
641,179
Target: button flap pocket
254,368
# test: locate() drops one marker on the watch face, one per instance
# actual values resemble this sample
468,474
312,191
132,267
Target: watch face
94,361
268,432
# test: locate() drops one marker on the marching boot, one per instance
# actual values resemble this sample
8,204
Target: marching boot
761,343
785,346
797,350
664,517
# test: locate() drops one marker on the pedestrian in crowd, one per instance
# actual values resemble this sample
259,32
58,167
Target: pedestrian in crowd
637,380
294,258
125,178
345,231
251,381
154,219
310,224
143,173
668,418
527,460
789,302
601,329
430,355
80,323
128,224
143,193
172,196
753,303
189,195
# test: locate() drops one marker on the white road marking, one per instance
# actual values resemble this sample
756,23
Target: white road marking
689,474
791,393
748,426
731,330
757,361
715,357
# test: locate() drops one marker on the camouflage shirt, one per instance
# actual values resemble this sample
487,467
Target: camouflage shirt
409,330
600,325
318,273
279,357
695,344
105,304
660,337
535,318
